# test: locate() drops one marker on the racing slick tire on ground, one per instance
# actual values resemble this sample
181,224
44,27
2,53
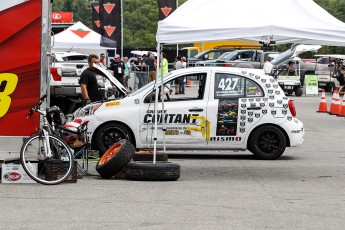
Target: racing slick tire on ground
267,142
148,171
109,134
115,159
298,91
148,156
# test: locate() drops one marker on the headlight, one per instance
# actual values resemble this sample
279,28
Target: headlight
88,110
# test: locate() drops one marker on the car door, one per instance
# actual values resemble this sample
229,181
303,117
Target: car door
236,104
184,114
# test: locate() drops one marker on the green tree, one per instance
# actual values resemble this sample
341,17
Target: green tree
140,19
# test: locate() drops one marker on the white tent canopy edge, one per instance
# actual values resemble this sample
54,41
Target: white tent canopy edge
279,21
268,21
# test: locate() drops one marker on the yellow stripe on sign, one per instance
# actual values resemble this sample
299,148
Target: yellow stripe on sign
114,103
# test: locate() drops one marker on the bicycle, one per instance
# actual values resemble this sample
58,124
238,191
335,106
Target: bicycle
45,156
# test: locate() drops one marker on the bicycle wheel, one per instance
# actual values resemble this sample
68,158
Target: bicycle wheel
44,169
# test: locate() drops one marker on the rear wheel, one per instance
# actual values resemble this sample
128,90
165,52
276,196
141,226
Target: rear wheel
41,167
298,91
109,134
267,142
330,88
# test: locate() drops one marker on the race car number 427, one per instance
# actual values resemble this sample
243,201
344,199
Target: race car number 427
228,84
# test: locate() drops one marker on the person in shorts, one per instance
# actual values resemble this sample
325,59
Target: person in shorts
340,77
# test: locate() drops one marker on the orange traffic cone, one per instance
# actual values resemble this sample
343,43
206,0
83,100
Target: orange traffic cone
331,108
323,103
336,108
342,110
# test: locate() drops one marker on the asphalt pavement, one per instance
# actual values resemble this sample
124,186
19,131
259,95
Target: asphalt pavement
304,189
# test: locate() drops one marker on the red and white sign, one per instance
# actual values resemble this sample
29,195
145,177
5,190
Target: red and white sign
15,174
60,17
20,70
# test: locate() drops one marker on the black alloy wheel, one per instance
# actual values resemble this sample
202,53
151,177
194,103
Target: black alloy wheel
109,134
267,143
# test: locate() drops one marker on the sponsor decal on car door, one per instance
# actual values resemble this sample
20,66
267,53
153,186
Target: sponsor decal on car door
235,106
184,116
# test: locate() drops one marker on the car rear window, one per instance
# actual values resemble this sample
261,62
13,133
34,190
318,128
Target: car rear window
231,85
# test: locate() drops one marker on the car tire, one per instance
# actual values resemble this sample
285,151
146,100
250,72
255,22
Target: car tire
148,171
148,156
109,134
267,142
298,91
115,159
330,88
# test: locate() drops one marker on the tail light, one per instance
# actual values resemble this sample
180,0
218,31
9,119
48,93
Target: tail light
292,108
56,73
227,65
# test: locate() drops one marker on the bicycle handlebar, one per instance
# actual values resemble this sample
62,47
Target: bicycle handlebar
39,102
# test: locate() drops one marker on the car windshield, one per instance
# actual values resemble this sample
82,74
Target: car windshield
283,57
230,56
150,84
201,54
224,56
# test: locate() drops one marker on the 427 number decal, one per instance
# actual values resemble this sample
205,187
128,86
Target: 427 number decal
228,83
8,83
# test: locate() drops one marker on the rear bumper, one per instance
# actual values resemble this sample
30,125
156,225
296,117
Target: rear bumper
70,91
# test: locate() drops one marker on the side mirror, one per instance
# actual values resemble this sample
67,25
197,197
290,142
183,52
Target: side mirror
206,57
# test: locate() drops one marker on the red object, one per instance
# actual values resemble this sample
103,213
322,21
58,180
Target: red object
331,108
56,73
20,40
60,17
336,106
342,110
292,108
323,103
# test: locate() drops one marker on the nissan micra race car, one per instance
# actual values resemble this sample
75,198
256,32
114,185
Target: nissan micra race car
222,108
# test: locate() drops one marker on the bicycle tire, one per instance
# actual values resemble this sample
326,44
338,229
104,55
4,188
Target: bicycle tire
50,170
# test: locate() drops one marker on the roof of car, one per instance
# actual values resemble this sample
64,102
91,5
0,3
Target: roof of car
221,69
338,56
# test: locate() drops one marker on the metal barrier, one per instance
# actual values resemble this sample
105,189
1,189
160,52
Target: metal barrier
138,77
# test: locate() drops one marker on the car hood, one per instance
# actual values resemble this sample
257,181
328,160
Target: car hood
111,78
288,55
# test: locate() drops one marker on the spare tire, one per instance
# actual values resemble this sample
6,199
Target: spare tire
148,156
115,159
148,171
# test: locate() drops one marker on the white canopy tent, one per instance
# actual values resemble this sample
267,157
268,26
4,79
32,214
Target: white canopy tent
281,21
79,38
267,21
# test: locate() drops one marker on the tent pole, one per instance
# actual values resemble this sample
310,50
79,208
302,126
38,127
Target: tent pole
162,92
155,108
121,28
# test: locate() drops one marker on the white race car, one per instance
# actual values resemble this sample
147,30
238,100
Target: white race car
221,108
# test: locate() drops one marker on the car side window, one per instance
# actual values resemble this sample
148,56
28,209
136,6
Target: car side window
253,89
183,88
234,86
228,85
